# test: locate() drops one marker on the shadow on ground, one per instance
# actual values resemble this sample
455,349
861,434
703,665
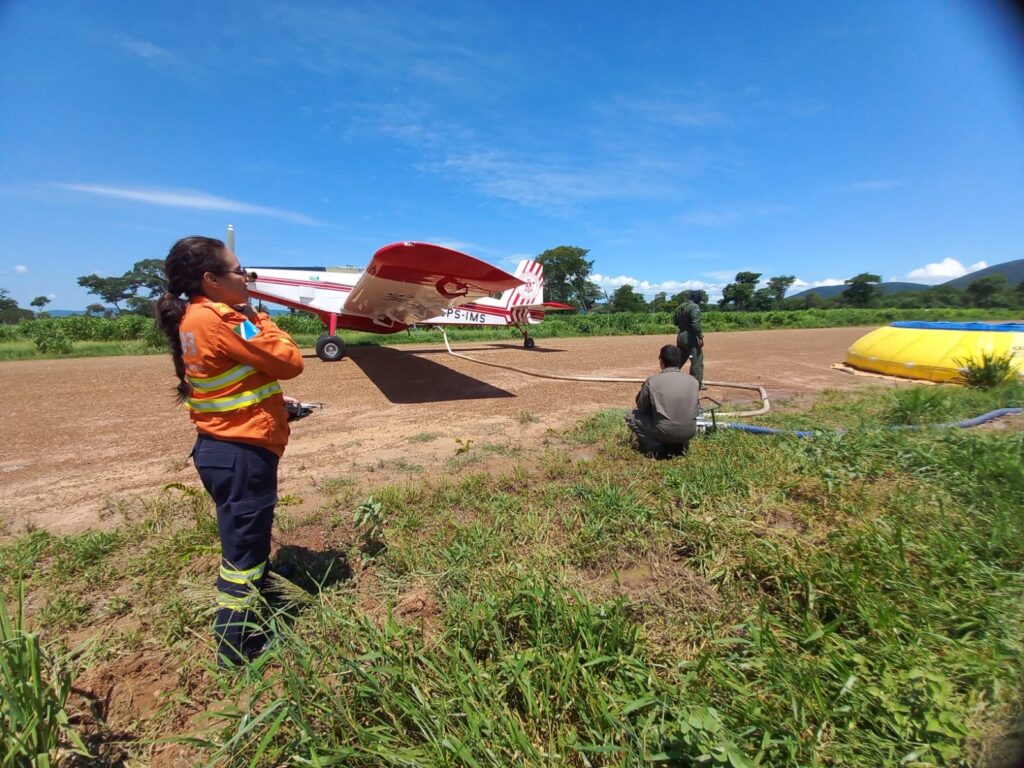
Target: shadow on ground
405,377
311,570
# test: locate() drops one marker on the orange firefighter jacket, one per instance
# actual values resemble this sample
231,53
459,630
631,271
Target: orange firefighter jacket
233,366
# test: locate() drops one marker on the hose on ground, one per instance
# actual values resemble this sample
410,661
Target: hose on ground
762,394
962,424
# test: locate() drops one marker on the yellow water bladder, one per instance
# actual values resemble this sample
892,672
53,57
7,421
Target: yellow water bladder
935,351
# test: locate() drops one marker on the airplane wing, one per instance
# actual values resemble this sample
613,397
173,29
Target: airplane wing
410,282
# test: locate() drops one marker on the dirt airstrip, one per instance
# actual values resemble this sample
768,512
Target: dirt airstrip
79,434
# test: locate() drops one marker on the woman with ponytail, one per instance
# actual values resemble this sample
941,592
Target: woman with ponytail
228,360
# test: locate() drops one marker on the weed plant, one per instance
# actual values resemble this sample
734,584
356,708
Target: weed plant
34,690
987,370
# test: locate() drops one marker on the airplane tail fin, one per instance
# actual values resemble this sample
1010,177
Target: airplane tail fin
532,289
526,302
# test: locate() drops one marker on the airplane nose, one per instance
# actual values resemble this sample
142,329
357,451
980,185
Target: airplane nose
251,277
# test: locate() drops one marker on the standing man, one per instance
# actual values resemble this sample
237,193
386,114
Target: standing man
666,408
690,338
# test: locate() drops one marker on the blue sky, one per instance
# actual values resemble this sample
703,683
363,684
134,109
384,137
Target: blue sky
679,142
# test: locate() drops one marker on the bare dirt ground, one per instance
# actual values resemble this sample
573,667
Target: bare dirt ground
77,435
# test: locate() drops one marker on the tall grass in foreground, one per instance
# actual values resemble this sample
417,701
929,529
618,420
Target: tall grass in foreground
850,600
853,600
34,689
532,675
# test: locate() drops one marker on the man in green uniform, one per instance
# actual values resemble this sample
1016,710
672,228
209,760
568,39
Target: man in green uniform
665,418
690,339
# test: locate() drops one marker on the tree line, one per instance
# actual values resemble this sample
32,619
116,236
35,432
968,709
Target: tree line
567,279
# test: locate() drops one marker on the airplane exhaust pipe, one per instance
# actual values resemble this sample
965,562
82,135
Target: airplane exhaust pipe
251,277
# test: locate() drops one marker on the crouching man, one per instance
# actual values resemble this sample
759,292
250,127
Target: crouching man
666,408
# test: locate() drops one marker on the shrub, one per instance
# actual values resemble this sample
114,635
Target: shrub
154,336
10,332
987,371
50,337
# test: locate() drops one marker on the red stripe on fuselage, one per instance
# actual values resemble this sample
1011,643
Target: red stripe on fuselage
310,283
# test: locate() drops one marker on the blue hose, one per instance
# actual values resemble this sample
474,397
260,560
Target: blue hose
965,424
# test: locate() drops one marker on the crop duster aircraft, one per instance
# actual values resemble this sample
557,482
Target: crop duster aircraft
406,284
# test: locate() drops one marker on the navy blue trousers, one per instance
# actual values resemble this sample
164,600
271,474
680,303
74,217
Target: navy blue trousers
242,479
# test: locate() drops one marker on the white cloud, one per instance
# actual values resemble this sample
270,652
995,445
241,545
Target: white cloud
609,284
647,288
675,110
21,269
941,271
145,50
184,198
803,285
540,183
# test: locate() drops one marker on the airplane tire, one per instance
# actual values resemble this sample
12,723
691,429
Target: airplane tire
528,343
330,348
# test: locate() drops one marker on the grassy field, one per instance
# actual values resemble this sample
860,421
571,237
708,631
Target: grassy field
854,599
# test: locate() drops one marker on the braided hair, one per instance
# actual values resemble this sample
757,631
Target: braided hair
189,259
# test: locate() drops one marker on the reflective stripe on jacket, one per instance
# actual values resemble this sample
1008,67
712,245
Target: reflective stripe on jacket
233,366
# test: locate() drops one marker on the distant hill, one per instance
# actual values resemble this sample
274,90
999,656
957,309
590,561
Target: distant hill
831,291
1013,271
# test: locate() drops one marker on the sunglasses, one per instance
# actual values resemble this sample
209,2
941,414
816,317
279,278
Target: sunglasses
237,271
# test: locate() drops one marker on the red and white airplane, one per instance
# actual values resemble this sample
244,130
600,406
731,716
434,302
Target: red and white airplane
406,284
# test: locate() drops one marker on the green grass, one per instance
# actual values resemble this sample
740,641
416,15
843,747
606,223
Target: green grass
849,600
26,350
34,690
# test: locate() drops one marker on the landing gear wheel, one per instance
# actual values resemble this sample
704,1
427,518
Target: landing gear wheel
330,348
528,342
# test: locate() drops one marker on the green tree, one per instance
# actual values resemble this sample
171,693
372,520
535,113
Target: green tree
625,299
591,295
113,290
740,294
567,277
95,309
148,275
10,312
987,292
40,302
778,286
762,300
661,303
942,296
862,289
804,301
682,296
139,287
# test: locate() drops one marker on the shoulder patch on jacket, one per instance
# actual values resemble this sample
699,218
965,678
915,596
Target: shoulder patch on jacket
222,309
246,330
